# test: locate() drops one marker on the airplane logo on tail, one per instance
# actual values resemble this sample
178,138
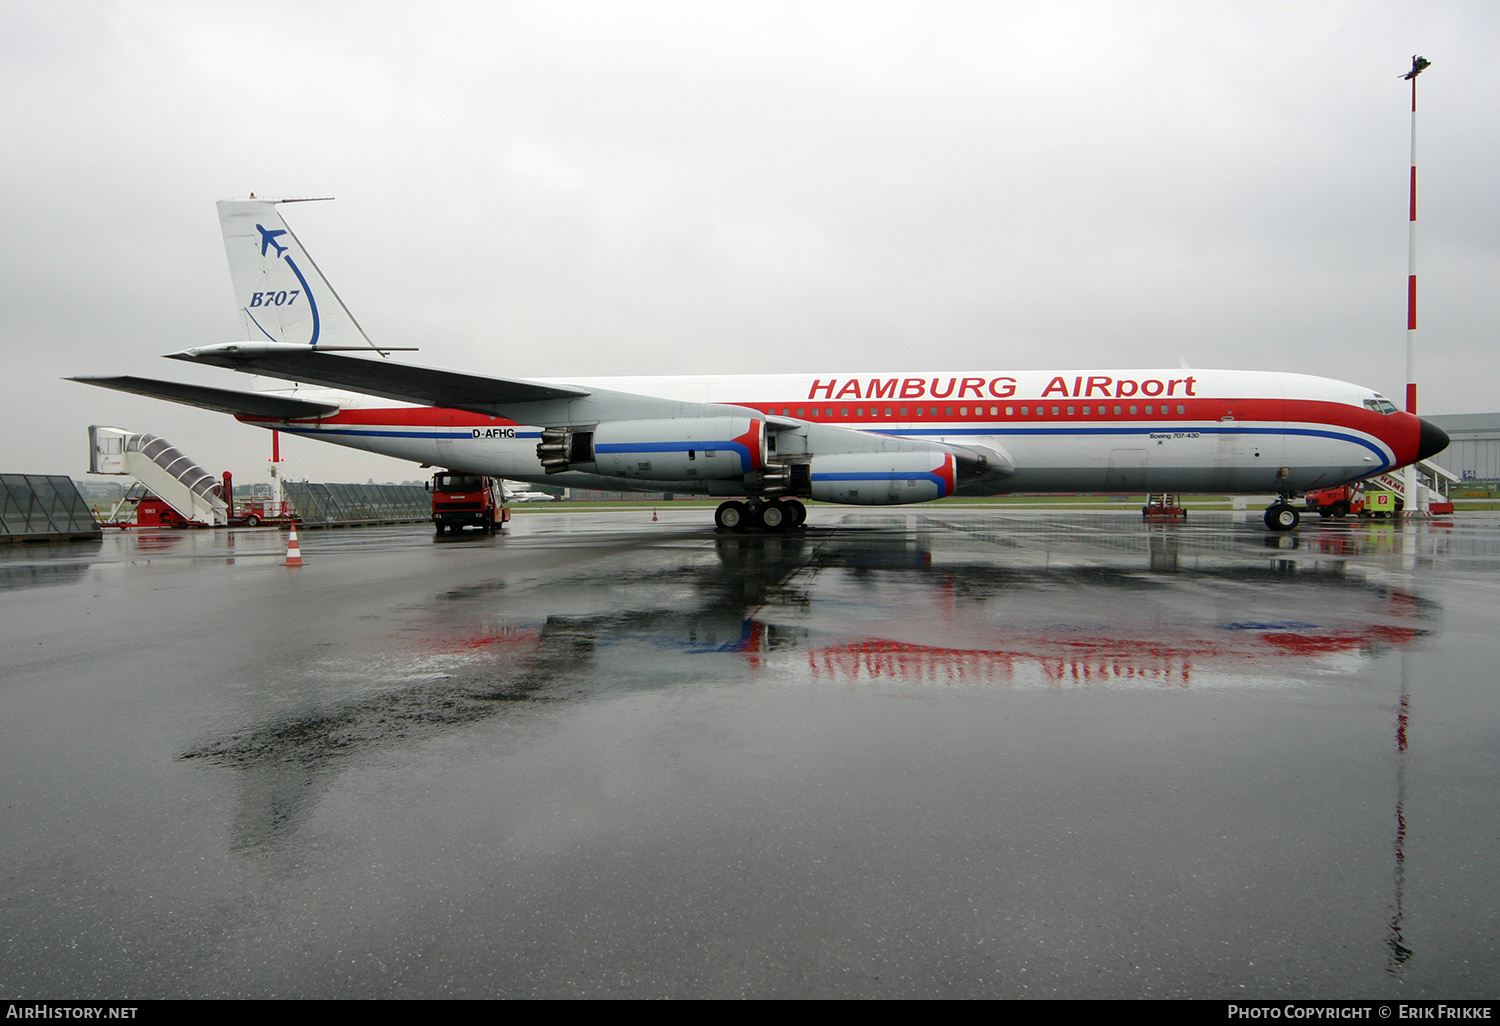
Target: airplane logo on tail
279,298
269,239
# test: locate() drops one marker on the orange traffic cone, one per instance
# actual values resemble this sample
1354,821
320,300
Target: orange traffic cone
653,514
293,552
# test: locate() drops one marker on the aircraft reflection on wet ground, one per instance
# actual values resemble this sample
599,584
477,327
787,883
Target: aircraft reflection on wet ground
1065,607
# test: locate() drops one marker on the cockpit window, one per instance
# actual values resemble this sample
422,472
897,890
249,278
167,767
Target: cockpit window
1380,405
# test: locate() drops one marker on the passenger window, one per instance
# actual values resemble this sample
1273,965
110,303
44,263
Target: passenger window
1070,411
1010,411
1024,410
1054,411
1117,411
963,411
1132,411
1181,409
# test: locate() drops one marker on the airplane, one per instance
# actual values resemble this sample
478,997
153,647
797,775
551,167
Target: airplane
268,238
764,442
525,495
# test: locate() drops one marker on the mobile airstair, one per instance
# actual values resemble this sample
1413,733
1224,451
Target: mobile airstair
164,470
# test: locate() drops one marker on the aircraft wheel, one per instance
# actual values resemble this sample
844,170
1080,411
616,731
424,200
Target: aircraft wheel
798,511
1281,517
732,516
1340,509
775,517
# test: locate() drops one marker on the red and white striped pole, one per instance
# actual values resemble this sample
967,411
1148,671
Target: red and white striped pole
1418,65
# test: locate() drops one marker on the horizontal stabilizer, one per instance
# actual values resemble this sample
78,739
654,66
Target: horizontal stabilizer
424,386
222,400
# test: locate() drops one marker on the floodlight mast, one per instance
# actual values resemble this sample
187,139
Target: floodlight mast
1419,64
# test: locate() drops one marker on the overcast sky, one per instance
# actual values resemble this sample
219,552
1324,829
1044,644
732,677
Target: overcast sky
555,189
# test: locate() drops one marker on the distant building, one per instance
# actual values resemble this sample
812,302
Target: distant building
1475,452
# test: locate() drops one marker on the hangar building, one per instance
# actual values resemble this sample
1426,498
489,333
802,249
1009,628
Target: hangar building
1474,454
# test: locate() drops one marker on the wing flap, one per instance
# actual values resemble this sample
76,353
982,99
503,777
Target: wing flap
221,400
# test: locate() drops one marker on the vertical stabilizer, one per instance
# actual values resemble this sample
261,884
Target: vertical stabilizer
282,295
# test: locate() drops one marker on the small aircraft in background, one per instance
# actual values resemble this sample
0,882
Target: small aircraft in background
526,495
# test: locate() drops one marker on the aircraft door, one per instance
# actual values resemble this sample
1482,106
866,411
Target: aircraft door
1127,470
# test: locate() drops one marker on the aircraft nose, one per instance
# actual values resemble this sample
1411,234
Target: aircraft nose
1434,440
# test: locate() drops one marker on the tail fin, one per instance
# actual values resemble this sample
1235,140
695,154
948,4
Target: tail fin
280,291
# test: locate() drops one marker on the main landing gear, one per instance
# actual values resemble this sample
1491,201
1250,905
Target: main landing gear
1281,515
774,515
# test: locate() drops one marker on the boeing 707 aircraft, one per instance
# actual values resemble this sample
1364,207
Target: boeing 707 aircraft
764,442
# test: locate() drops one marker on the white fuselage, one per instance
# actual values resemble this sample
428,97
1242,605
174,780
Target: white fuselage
1064,431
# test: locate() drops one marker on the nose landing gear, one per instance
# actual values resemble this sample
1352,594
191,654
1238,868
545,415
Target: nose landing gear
1281,515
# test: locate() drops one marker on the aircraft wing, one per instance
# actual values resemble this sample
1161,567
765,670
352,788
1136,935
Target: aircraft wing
222,400
425,386
452,390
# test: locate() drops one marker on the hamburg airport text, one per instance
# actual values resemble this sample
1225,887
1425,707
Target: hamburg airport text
1081,387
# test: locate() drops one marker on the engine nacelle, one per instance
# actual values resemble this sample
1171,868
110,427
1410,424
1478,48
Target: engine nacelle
692,448
883,478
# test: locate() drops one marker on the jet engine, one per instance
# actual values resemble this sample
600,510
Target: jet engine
883,478
702,448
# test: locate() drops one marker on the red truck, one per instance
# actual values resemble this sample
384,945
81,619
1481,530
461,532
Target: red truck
1354,499
1337,502
467,500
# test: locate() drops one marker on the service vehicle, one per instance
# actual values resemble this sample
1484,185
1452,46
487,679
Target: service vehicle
467,500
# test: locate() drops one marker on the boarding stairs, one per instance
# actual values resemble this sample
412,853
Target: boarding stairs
1439,479
165,471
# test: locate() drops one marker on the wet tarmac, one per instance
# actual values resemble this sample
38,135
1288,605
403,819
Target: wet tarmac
915,753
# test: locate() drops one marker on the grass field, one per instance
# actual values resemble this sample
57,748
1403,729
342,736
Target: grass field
1129,503
1116,502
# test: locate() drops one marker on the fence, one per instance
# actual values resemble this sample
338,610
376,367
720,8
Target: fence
329,505
41,507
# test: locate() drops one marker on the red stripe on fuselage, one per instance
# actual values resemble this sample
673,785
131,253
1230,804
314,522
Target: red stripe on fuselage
1396,430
